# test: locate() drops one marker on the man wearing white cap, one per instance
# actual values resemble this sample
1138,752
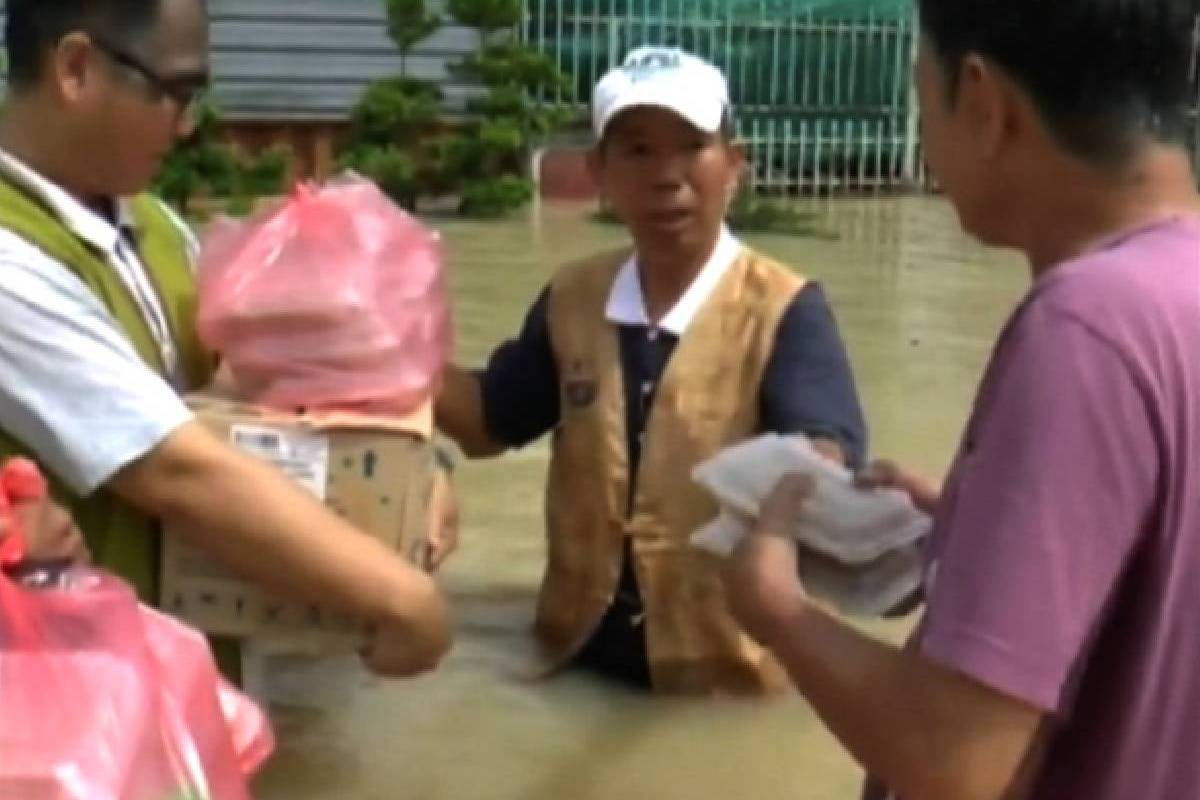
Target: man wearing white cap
645,362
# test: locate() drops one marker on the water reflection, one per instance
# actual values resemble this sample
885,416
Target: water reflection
919,306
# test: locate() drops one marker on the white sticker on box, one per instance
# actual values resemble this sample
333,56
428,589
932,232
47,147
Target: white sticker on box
302,456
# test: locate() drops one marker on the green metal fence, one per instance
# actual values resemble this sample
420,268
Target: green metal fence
823,90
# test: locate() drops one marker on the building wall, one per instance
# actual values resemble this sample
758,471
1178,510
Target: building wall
290,71
308,60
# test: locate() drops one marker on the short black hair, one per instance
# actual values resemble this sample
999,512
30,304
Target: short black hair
1105,74
35,26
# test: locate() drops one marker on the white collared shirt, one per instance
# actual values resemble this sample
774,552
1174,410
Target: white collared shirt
72,387
111,240
627,302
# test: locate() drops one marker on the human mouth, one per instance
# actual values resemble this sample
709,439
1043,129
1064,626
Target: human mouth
670,219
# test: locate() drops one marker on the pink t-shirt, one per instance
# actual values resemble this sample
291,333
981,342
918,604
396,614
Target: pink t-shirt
1065,564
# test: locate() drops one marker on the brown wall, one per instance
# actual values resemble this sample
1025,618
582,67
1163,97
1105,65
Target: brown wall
313,144
314,147
564,175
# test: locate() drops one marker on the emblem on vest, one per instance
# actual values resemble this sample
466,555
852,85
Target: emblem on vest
579,386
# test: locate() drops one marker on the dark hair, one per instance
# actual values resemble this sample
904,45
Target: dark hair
1105,74
35,26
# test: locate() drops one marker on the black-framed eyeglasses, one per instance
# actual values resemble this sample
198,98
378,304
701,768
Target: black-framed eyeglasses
187,93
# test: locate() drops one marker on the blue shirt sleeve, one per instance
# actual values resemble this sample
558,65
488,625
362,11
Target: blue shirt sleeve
520,383
808,386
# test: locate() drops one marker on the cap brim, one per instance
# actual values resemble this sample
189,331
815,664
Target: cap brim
705,116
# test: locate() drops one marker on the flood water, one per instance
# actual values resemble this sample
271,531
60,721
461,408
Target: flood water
919,306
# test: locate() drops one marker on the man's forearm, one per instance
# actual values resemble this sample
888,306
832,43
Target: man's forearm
929,733
460,414
259,524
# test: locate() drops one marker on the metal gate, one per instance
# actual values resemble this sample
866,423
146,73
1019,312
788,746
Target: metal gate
823,90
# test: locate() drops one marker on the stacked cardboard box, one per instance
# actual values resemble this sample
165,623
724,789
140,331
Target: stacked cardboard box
374,472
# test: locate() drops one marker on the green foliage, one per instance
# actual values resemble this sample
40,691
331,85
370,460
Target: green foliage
513,65
494,197
400,139
203,165
501,138
535,119
395,110
199,165
393,169
408,22
486,16
263,176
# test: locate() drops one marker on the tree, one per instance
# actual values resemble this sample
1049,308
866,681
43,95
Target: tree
409,22
396,115
395,110
204,165
400,139
486,16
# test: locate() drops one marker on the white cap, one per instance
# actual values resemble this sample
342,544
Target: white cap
663,77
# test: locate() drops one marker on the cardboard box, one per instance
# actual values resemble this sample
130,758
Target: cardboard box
374,472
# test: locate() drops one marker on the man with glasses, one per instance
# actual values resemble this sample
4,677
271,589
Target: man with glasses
97,333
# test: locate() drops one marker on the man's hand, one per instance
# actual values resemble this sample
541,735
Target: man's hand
441,539
761,578
50,533
237,509
829,449
890,708
404,649
924,494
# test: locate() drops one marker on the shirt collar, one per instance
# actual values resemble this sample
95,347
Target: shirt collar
89,226
627,304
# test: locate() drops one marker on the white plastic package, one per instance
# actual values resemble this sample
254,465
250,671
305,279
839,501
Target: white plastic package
862,549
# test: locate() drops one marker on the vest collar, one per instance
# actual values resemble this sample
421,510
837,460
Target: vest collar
89,226
627,304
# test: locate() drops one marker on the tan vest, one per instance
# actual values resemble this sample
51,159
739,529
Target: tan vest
708,399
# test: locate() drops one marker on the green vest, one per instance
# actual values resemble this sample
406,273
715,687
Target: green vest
121,539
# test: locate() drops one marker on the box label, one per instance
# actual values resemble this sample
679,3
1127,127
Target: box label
302,456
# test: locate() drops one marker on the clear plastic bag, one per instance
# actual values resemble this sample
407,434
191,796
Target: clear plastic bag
860,551
104,699
333,299
839,521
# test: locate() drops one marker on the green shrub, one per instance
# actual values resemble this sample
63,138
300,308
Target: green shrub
205,166
395,110
400,139
486,16
394,170
490,198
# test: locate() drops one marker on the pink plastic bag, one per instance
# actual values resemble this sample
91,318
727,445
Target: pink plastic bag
336,298
103,699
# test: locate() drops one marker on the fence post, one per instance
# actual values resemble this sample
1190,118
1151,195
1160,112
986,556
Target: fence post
913,126
803,162
818,136
614,40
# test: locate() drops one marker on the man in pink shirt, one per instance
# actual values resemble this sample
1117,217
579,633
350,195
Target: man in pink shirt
1059,655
